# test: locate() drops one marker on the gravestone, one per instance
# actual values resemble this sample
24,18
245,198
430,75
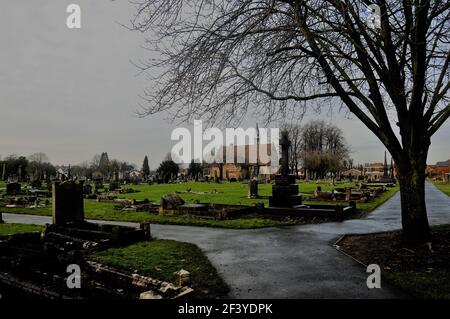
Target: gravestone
171,201
98,185
348,194
87,189
253,188
285,193
4,172
114,186
13,189
68,205
146,227
182,278
36,183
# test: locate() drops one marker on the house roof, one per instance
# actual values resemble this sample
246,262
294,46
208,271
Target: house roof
438,170
444,163
352,171
373,165
247,154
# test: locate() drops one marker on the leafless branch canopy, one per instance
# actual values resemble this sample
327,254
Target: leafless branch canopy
219,58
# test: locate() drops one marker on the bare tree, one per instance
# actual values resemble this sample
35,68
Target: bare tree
39,158
323,148
219,58
95,162
295,152
38,165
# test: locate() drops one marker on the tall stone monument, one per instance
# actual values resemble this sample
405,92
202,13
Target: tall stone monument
285,193
19,174
4,172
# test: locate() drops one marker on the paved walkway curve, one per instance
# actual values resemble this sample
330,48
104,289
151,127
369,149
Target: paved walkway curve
294,261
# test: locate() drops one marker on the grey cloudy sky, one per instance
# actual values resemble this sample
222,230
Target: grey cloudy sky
72,93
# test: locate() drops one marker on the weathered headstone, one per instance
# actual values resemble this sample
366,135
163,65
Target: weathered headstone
114,186
98,185
36,183
87,189
253,188
68,205
171,201
13,189
348,194
182,278
146,227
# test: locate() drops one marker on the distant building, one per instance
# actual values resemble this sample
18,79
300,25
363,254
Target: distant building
441,171
97,175
351,173
373,171
443,164
377,171
135,174
243,167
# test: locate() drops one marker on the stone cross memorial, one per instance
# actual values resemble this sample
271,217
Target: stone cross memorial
285,193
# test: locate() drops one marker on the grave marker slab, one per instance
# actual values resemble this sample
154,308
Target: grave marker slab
13,189
68,205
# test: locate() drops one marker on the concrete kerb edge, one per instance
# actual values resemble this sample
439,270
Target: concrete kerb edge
337,247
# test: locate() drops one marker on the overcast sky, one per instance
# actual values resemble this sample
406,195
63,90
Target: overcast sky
73,93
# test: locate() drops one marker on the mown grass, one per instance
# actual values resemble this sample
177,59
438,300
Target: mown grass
161,258
12,229
106,211
443,186
228,193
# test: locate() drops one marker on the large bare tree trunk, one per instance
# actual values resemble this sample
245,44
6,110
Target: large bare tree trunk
411,177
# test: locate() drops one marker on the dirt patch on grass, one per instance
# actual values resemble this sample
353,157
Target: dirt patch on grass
421,272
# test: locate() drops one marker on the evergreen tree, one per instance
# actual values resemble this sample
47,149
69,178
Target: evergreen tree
145,168
104,166
195,170
167,169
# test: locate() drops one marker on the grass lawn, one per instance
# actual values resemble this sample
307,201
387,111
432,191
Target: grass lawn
11,229
228,193
106,211
161,258
444,187
418,271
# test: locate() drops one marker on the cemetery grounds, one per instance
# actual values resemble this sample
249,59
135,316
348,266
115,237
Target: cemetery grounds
161,258
217,193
